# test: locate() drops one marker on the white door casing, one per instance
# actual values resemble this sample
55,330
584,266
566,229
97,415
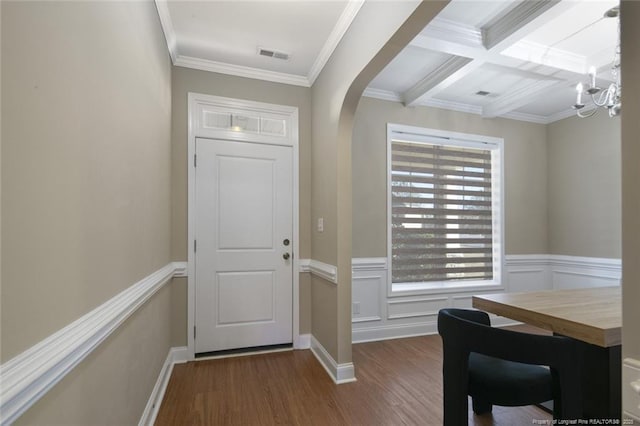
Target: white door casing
244,231
215,117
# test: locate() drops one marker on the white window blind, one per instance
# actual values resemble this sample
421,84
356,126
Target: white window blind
442,212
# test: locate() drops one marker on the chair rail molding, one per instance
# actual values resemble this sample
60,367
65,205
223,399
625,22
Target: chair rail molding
28,376
324,270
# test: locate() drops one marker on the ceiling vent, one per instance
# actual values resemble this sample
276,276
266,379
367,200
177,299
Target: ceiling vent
273,54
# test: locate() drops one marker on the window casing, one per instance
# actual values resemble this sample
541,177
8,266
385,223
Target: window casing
445,208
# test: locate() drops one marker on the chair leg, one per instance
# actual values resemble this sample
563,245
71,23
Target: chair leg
481,406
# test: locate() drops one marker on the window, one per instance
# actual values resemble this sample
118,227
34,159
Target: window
445,209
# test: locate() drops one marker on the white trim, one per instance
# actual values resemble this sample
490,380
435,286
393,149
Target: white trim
304,265
525,15
175,356
450,31
303,341
523,116
401,331
28,376
240,71
548,55
181,270
447,73
519,97
344,21
324,270
385,317
561,115
162,6
367,263
586,262
448,138
451,105
385,95
196,100
342,25
541,260
339,373
388,95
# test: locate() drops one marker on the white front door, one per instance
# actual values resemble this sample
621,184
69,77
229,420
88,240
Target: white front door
243,263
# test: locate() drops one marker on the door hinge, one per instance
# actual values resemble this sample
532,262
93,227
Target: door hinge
195,160
195,246
194,332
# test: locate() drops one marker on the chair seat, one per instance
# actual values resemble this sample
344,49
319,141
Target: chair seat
508,383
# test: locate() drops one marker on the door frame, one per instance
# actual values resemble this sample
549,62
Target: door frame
199,104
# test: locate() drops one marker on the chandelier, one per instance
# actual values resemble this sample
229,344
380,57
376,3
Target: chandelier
609,98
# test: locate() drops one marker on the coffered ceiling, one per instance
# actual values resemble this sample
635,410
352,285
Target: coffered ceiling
495,58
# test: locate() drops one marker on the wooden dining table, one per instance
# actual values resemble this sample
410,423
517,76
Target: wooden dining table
592,316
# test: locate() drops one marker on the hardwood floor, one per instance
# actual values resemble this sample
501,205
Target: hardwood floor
399,383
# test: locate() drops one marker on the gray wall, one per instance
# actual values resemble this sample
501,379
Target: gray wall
630,15
86,113
525,156
584,186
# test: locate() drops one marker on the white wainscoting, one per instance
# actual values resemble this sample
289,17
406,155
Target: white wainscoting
28,376
378,317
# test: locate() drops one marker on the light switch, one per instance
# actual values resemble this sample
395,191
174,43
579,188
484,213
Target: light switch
320,224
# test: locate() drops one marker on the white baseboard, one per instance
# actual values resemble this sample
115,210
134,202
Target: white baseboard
175,356
28,376
401,331
339,373
303,342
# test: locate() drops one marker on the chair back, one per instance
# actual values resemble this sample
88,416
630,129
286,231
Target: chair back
464,331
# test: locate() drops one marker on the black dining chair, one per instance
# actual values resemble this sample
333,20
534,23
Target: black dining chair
503,367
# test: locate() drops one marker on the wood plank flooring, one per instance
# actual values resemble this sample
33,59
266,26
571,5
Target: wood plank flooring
399,383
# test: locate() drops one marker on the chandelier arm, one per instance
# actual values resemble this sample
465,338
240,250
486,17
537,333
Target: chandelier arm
603,98
587,114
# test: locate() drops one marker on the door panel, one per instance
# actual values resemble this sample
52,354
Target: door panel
243,215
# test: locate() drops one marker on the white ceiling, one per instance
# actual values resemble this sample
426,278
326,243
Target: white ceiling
528,55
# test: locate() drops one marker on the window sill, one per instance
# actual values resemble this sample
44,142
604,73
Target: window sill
407,289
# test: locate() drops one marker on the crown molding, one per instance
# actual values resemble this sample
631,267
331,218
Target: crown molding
547,55
346,18
569,112
385,95
167,28
241,71
342,25
519,97
388,95
452,106
523,116
455,32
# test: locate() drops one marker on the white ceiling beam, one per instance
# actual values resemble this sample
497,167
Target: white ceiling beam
520,97
450,71
462,42
522,19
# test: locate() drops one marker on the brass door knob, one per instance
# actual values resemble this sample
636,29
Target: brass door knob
286,256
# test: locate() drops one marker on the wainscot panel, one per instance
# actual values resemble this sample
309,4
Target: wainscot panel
378,317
